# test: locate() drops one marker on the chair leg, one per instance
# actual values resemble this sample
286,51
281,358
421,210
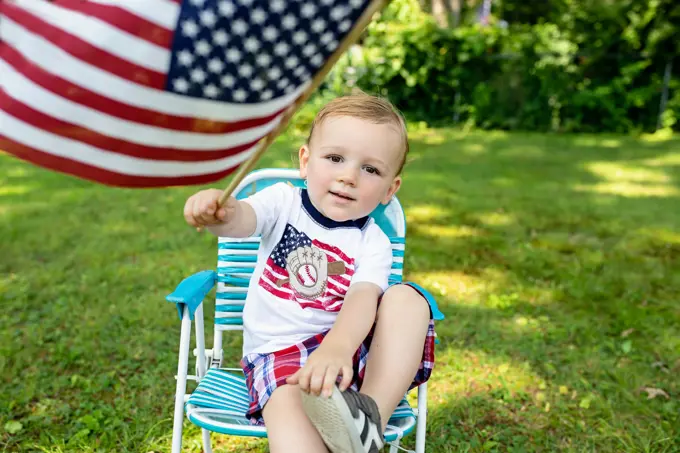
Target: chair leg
207,447
181,388
200,343
394,446
422,418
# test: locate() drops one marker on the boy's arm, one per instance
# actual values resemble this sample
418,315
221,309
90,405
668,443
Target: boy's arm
334,356
355,319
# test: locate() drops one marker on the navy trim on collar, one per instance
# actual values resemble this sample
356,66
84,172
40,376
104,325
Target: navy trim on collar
325,221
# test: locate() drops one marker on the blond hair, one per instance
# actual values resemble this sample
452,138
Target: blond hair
365,107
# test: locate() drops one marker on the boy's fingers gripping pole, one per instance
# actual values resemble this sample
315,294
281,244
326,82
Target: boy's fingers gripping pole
350,39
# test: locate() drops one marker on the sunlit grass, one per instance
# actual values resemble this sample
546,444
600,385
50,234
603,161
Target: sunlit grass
556,260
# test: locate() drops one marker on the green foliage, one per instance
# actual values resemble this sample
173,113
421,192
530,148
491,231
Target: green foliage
598,67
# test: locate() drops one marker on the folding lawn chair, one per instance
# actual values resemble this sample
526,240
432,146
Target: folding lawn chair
220,401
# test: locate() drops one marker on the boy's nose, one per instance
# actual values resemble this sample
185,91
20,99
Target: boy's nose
348,176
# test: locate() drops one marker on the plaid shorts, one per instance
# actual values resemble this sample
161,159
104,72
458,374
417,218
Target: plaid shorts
265,372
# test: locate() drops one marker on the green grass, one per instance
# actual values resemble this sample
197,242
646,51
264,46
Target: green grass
556,260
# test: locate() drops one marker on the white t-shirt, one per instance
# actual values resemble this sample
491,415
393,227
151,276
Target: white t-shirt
306,263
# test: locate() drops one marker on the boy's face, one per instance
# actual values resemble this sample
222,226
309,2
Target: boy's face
351,166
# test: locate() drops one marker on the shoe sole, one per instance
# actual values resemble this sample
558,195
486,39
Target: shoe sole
333,420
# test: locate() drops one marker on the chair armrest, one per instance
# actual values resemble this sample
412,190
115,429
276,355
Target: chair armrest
191,291
437,315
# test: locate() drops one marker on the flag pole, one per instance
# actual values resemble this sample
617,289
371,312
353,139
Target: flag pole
350,39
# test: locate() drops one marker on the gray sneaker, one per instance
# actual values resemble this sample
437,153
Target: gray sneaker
348,422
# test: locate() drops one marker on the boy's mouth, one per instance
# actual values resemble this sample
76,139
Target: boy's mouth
341,195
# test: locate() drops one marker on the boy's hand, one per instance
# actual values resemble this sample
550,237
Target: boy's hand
322,369
201,208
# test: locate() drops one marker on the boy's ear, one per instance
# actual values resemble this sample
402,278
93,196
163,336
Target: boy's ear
394,187
303,155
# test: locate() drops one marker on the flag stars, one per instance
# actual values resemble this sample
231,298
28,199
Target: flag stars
220,38
226,8
203,48
264,60
318,25
252,45
208,18
233,55
198,75
326,37
215,65
228,81
211,91
308,10
274,73
240,27
309,50
258,16
338,13
270,33
283,83
292,62
289,22
240,95
254,51
245,70
317,60
190,28
185,58
281,49
257,84
300,37
181,85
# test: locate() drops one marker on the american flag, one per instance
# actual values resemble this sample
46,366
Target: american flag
275,272
147,93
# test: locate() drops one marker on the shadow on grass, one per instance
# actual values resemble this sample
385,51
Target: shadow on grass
554,258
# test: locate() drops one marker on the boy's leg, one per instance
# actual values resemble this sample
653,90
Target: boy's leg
396,348
288,427
399,344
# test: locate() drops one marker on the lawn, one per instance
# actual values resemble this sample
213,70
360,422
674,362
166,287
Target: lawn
556,260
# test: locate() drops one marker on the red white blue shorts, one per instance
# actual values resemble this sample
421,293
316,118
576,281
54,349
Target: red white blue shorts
265,372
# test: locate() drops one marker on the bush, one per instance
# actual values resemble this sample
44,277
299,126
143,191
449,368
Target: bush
529,77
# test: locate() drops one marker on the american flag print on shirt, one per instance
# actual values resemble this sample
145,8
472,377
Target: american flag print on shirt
152,93
308,271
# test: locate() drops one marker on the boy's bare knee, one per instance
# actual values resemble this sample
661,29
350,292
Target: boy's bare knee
285,396
405,299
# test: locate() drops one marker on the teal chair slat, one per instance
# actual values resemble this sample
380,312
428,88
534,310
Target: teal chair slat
398,253
236,281
235,270
239,258
238,245
229,321
229,308
397,240
397,265
232,296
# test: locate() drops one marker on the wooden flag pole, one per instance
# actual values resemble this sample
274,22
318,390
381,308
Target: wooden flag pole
350,39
